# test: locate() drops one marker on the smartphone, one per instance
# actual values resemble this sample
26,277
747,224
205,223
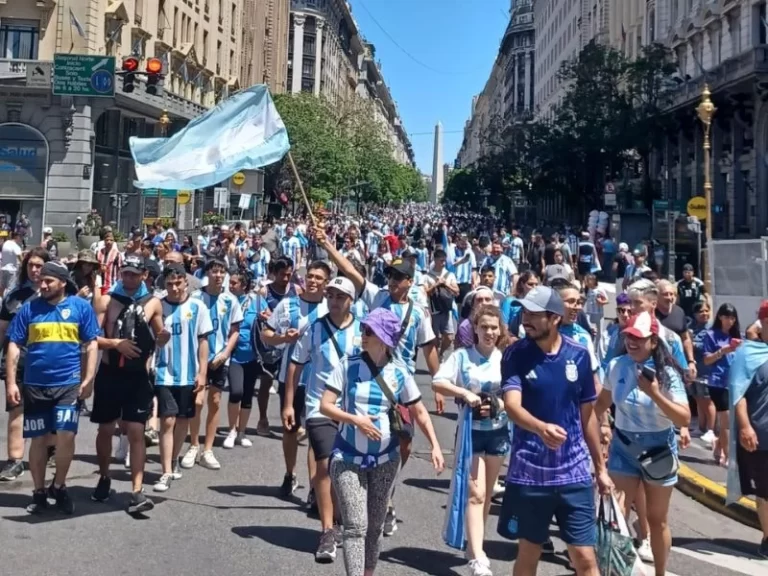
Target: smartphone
735,342
648,373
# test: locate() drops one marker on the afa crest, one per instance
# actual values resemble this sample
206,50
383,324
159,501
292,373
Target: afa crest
571,372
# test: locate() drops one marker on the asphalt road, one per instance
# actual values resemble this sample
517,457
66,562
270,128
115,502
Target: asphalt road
232,523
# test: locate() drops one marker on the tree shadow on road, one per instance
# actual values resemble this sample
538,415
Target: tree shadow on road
241,491
298,539
734,547
426,561
438,485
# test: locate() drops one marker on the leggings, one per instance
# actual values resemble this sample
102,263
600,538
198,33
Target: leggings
363,496
242,383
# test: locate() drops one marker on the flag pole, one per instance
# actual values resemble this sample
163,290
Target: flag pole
301,188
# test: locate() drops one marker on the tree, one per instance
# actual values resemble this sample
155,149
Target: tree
463,187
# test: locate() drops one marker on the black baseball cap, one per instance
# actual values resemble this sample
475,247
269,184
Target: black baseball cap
134,263
402,266
688,268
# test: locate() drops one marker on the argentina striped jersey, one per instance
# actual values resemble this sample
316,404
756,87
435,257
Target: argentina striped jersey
294,313
464,269
177,363
225,312
291,247
505,270
259,267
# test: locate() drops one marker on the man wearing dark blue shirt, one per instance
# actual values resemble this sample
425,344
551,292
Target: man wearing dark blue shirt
549,393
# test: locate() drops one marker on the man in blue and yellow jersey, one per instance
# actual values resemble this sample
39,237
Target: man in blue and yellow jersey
52,328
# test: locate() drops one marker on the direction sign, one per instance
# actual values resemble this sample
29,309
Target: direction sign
83,75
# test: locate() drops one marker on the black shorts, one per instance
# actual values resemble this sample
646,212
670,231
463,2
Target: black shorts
753,472
175,401
19,379
50,408
720,398
218,378
120,394
322,436
298,403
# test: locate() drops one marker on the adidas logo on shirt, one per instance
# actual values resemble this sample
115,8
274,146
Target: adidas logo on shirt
531,375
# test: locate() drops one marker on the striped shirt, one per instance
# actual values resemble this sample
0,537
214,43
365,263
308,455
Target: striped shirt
464,270
516,248
469,369
505,271
372,241
318,354
176,363
635,410
355,381
225,312
294,313
419,330
422,259
259,267
291,247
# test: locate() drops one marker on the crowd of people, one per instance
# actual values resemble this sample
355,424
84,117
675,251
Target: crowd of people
333,316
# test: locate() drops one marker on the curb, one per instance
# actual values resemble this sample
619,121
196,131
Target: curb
713,496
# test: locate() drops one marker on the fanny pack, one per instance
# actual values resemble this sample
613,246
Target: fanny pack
341,446
657,463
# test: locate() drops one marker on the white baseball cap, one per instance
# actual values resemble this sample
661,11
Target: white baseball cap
343,285
47,230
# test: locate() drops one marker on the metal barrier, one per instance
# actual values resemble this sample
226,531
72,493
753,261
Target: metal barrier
739,275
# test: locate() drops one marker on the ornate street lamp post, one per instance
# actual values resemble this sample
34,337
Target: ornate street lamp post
705,110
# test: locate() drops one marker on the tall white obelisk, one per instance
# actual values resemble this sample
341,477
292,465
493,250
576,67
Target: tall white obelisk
437,166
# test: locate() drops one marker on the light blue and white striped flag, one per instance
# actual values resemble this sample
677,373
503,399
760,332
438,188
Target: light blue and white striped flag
244,132
75,23
454,527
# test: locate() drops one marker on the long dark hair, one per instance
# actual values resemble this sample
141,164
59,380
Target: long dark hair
36,252
522,280
663,359
727,310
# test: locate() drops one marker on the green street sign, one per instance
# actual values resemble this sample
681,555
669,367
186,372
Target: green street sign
83,75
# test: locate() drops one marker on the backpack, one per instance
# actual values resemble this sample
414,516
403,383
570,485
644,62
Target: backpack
132,325
441,300
267,355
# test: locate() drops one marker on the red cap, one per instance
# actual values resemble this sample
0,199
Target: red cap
762,312
643,325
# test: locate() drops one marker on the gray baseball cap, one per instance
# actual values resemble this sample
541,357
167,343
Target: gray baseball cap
543,299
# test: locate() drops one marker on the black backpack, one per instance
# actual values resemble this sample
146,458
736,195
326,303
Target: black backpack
132,325
441,300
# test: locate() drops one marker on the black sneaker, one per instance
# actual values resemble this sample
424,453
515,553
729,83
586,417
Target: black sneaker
102,491
39,502
290,483
548,547
762,550
139,503
63,501
12,470
326,550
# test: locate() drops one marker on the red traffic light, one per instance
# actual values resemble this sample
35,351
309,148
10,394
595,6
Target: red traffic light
154,66
130,64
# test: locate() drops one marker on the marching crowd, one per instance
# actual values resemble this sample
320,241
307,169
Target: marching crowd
333,316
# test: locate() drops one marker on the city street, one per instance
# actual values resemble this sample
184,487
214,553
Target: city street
231,522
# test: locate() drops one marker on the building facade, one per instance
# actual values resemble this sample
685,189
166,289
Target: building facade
518,49
62,155
264,57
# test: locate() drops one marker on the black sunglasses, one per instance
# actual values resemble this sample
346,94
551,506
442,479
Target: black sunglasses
367,331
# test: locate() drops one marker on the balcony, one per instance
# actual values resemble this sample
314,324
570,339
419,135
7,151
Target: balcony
13,69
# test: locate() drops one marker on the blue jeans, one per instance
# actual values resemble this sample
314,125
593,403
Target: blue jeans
621,461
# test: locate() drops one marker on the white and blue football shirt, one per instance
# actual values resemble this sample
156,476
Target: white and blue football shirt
176,363
225,312
294,313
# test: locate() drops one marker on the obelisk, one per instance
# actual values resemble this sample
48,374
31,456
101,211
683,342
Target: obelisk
437,166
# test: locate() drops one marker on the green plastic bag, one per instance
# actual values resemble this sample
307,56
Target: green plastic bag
615,550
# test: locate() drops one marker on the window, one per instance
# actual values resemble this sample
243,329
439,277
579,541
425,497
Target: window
205,44
308,68
652,26
19,39
760,20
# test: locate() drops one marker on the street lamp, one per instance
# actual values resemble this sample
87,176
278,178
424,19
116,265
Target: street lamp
705,110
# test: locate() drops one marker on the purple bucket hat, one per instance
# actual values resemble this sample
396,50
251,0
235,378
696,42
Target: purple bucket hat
385,325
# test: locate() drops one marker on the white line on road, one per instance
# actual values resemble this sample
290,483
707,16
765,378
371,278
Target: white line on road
723,557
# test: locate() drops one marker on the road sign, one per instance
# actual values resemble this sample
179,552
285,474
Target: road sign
238,179
39,75
220,197
83,75
609,199
245,202
697,206
184,196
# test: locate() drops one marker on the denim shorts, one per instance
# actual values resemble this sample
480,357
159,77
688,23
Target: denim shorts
527,511
621,461
491,442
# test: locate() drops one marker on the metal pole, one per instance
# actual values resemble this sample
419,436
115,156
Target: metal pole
705,110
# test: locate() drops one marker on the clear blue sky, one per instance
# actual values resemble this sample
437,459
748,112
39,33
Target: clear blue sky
435,55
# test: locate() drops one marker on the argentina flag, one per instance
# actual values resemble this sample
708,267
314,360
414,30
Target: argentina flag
244,132
454,527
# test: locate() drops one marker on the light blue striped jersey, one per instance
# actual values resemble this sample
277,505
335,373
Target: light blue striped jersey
176,363
464,270
422,259
251,307
225,313
372,241
291,247
297,313
516,249
354,380
635,410
359,309
318,355
259,268
419,330
469,369
505,270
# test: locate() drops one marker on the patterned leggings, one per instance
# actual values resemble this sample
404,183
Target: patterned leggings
363,497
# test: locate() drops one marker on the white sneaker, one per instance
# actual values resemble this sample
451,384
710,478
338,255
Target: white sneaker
128,459
708,438
163,484
244,441
229,441
208,460
176,474
480,567
273,390
644,551
190,457
122,448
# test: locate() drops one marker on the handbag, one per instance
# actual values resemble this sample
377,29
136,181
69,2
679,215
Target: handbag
615,550
399,417
657,464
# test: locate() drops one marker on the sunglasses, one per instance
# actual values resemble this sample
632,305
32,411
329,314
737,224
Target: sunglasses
623,310
368,332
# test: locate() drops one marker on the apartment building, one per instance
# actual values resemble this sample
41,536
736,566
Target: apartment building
65,154
518,49
265,44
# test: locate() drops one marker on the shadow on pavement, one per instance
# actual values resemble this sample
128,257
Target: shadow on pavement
439,485
453,416
739,548
433,562
292,538
696,460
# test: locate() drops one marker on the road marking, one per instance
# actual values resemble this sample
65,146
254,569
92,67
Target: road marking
724,558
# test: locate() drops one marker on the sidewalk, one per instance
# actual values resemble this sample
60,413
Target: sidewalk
704,481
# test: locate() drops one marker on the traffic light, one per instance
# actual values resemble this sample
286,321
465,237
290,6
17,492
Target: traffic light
130,66
154,76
